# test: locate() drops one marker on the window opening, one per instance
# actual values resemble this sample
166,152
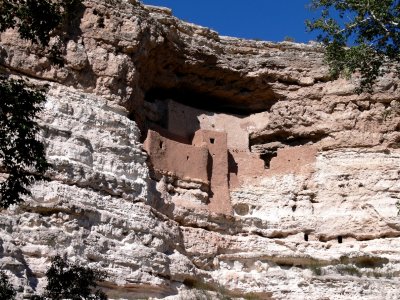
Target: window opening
306,237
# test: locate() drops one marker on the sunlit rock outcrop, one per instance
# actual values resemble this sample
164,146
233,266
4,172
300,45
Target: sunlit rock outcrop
189,165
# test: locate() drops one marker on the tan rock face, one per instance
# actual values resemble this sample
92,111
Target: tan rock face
300,202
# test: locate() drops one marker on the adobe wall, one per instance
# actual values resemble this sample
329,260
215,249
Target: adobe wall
244,165
216,143
177,159
247,166
185,121
206,161
297,160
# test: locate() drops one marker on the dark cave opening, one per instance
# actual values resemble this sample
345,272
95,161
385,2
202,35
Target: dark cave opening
205,101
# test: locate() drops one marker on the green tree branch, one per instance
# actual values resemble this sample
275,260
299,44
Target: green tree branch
360,36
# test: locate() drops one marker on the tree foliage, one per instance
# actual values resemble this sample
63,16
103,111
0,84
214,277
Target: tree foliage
371,27
22,155
35,19
7,291
70,281
64,281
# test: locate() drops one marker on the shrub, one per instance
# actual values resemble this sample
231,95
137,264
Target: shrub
7,291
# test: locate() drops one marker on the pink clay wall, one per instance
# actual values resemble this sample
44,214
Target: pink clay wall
178,159
216,142
293,160
246,165
185,121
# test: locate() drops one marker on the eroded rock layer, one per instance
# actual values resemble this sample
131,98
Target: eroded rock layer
263,178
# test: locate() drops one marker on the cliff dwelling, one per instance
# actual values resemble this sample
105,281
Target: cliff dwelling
210,152
264,178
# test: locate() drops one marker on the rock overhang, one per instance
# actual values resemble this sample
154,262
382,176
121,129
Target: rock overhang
341,194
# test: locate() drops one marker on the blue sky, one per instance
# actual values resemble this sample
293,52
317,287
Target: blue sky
270,20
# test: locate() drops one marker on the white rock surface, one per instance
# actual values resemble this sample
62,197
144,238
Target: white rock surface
102,209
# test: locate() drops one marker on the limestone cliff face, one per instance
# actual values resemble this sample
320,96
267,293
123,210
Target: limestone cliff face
279,184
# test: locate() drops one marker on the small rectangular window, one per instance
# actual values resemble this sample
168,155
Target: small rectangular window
306,237
212,140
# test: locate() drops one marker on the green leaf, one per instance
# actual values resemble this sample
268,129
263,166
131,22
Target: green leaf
362,36
22,155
